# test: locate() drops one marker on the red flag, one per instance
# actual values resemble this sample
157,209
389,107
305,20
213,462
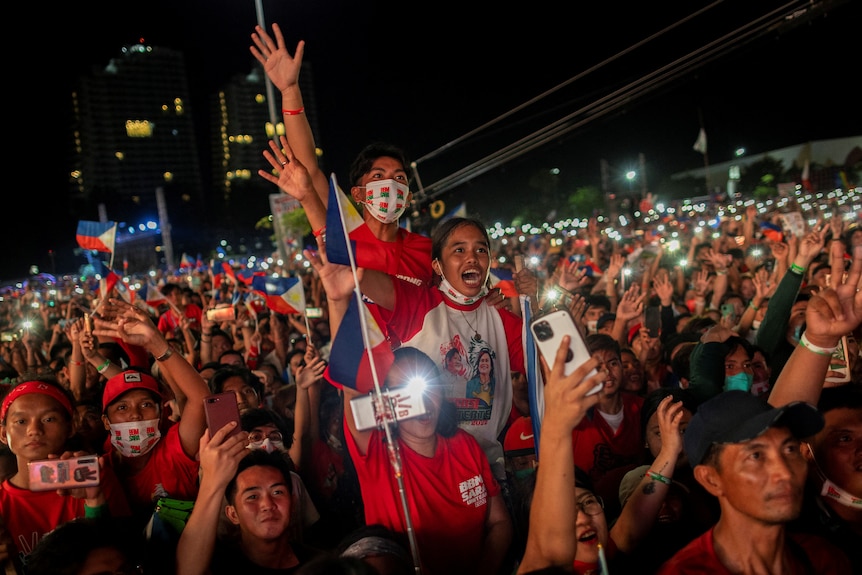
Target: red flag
806,180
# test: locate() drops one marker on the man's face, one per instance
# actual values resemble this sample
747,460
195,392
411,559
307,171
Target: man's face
610,361
763,478
262,503
838,448
36,426
246,396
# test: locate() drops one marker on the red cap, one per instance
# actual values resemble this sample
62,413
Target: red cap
633,332
127,381
519,437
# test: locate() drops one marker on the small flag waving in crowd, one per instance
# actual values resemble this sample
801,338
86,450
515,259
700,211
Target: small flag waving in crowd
353,368
98,236
336,242
282,295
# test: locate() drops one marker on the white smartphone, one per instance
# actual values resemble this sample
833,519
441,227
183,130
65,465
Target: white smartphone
548,331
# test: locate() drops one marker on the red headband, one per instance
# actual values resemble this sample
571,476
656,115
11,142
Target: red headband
35,387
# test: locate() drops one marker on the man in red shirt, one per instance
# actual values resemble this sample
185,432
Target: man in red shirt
610,435
747,454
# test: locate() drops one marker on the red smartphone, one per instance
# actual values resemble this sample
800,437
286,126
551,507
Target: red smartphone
220,409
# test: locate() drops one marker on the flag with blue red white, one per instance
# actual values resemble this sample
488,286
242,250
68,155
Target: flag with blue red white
98,236
772,231
282,295
351,365
336,239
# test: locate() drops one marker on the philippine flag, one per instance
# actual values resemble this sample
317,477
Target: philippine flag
282,295
353,367
336,240
98,236
772,231
152,295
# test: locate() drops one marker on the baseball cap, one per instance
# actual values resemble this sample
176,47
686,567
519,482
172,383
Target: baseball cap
605,318
737,416
519,438
127,381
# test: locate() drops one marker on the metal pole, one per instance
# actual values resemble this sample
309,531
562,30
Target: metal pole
270,91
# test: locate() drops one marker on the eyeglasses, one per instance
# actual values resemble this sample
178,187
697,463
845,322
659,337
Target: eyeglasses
592,505
258,436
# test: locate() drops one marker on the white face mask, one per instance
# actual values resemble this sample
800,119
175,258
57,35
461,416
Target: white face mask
135,438
755,324
840,495
457,296
592,326
267,445
386,200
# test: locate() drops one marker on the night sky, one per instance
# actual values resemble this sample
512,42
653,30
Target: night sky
423,75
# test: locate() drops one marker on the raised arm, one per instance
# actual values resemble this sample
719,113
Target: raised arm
134,326
831,314
220,459
552,537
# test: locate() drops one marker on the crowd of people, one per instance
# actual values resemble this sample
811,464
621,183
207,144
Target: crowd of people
717,425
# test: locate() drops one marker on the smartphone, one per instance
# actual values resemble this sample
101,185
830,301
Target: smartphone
398,404
220,314
838,363
727,310
220,409
88,323
313,312
548,331
51,474
652,320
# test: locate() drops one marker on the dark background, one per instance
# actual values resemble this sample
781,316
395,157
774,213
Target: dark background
422,75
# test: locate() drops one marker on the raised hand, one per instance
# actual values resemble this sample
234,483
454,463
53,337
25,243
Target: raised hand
836,310
281,68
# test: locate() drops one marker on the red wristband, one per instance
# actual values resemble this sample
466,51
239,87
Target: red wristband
320,232
293,112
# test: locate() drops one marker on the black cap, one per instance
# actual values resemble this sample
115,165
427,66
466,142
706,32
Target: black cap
737,416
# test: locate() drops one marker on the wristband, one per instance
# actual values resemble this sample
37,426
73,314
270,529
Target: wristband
73,362
320,232
168,353
752,306
96,512
798,269
296,112
803,341
206,339
658,477
104,367
721,272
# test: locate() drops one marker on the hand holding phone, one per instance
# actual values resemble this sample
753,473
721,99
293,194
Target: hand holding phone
652,320
220,409
548,331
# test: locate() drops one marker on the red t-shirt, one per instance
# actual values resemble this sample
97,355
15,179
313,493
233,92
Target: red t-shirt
597,449
448,496
29,515
169,472
169,324
699,557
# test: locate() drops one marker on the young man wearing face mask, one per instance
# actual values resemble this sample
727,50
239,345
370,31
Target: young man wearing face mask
721,361
378,176
151,460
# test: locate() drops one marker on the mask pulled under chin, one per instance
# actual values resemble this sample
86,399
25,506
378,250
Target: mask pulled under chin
135,438
457,296
386,200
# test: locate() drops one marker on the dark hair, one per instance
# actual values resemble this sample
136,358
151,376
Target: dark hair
597,300
848,395
415,361
442,232
583,480
259,457
389,542
259,416
655,397
64,550
734,342
227,371
680,364
602,342
216,331
365,159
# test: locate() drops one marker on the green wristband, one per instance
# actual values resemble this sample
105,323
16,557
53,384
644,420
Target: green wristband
96,512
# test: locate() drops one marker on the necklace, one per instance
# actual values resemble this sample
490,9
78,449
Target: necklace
476,337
